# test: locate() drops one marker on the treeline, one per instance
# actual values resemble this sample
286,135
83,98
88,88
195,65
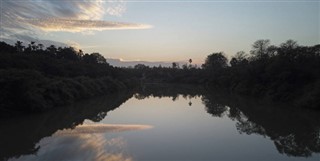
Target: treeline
288,73
40,126
299,138
294,132
35,79
176,75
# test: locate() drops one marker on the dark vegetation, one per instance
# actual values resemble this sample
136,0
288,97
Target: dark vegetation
34,78
38,126
288,73
294,132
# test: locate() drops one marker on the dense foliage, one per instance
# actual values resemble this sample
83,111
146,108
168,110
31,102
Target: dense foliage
35,78
288,73
285,73
294,132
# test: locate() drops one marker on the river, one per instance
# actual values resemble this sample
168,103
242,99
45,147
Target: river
163,124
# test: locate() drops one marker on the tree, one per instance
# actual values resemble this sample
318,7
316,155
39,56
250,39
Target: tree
67,53
190,61
140,67
289,44
99,58
33,46
239,58
94,58
52,50
19,46
40,46
4,47
184,66
260,48
80,54
175,65
88,58
215,61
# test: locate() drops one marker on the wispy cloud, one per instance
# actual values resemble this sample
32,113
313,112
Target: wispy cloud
14,13
101,128
116,8
85,142
72,25
85,147
32,17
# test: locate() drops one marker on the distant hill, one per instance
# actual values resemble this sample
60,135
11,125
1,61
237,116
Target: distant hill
120,63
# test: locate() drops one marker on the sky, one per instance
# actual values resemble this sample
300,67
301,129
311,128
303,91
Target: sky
171,30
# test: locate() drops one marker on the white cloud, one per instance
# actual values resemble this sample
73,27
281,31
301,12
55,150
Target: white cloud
86,142
84,147
101,128
33,17
116,8
14,13
72,25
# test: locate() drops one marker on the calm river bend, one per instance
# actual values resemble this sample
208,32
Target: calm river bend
160,124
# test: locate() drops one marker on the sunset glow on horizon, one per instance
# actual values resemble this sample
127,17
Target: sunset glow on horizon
160,30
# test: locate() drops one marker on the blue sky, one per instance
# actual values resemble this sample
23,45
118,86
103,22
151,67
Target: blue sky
180,29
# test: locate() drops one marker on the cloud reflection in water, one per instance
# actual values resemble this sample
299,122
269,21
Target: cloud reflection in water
102,128
84,143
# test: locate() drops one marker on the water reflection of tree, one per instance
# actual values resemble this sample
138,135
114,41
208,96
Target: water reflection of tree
294,132
20,135
168,90
214,108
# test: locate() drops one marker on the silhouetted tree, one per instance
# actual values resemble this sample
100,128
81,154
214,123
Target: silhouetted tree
40,46
67,53
4,47
260,48
19,46
175,65
140,67
52,50
287,73
33,46
80,54
99,58
239,59
190,61
185,66
289,44
215,61
35,79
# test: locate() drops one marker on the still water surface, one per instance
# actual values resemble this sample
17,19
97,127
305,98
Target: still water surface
179,127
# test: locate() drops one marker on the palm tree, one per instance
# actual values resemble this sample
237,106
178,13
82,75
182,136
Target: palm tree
52,49
40,46
190,61
33,46
19,46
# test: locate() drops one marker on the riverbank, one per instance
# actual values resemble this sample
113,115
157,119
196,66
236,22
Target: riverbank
34,79
31,91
